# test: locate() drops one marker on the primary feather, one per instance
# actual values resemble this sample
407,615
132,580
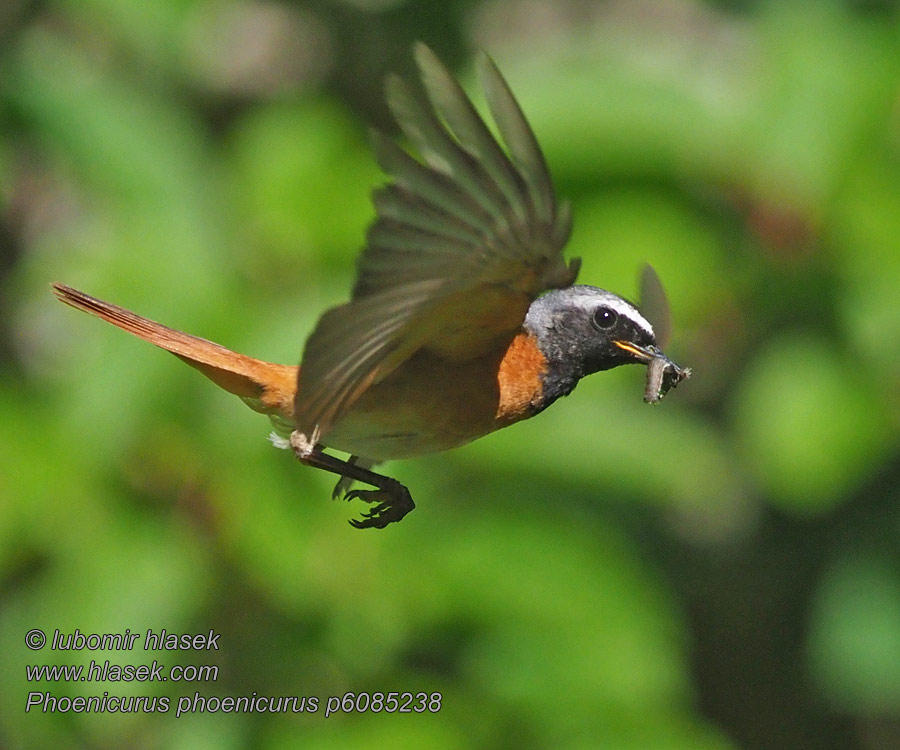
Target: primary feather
464,239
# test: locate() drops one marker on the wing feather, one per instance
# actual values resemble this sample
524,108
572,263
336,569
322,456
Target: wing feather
463,240
519,138
394,202
355,342
442,153
449,100
431,185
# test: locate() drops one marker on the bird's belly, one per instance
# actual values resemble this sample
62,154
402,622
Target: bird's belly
427,405
381,445
430,404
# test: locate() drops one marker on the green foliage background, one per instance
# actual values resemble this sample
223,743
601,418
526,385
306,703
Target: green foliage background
721,571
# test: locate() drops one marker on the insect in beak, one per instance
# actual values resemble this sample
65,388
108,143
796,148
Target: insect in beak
662,373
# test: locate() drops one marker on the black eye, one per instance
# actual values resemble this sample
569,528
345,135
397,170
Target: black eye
604,317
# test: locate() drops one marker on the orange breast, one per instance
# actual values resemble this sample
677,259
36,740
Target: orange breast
520,380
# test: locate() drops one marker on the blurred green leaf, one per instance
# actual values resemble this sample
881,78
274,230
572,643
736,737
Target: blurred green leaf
616,232
808,426
303,176
854,645
866,230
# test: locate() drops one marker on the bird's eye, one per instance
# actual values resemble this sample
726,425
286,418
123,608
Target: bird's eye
604,317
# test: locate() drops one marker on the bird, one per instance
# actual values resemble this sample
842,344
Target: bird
464,317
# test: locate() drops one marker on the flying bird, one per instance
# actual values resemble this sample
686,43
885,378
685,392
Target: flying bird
464,317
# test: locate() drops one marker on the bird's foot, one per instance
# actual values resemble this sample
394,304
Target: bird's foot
391,500
389,505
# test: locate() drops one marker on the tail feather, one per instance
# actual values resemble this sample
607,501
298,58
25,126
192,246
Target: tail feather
265,386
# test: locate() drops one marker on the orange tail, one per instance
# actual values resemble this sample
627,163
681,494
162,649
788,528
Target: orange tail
264,386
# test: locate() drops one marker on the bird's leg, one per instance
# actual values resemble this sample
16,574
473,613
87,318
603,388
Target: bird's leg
343,484
392,500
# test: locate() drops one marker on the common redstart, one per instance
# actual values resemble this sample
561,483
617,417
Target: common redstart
464,317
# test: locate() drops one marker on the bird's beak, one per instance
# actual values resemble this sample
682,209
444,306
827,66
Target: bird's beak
642,353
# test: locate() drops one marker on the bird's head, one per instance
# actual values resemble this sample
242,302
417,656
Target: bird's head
583,329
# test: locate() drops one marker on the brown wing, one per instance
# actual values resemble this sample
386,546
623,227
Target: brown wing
463,241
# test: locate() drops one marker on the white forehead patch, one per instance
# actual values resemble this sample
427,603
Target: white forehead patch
591,297
543,310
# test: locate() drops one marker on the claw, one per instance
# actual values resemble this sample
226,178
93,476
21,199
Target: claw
388,506
341,488
360,495
392,498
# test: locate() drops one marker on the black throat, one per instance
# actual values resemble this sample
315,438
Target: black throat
559,379
565,367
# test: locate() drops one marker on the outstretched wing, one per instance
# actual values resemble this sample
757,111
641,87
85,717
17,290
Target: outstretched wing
463,241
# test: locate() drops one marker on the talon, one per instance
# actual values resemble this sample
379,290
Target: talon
389,506
359,495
